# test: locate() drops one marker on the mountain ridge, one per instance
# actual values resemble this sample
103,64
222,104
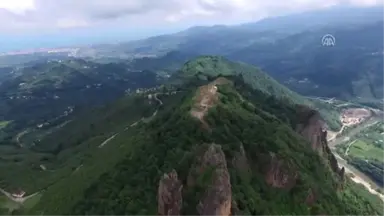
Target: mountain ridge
221,110
217,135
208,66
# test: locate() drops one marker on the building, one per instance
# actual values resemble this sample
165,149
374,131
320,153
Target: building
19,194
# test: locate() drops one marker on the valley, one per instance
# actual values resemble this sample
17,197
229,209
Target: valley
91,132
354,122
59,173
246,119
357,176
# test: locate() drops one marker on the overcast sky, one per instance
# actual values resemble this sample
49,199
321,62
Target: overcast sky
20,19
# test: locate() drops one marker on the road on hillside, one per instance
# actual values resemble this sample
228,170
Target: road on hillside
17,199
352,132
158,100
359,177
133,124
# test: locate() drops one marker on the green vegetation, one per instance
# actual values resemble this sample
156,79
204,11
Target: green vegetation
64,150
72,168
366,151
211,66
7,205
127,182
360,190
31,202
291,53
4,124
49,93
329,112
76,174
51,114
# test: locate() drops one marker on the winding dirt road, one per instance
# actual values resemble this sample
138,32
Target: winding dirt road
105,142
358,176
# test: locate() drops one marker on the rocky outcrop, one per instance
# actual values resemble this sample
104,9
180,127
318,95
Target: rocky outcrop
312,127
280,174
311,197
235,209
342,173
240,161
333,161
170,194
216,198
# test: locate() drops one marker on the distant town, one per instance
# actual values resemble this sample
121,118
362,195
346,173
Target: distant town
70,51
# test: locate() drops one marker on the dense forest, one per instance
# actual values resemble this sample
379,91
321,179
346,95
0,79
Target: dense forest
212,66
114,157
174,140
43,92
212,120
372,168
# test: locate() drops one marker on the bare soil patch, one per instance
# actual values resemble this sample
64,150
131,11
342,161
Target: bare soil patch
205,98
353,116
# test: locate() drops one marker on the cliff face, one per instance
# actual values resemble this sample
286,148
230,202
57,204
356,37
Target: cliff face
170,194
210,174
240,161
311,198
280,174
217,195
209,179
312,127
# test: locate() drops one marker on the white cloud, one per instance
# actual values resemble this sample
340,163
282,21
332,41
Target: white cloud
23,15
71,23
17,6
365,2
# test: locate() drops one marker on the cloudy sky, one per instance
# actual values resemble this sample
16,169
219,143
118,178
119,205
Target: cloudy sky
25,21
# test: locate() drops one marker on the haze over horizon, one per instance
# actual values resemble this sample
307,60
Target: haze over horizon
29,24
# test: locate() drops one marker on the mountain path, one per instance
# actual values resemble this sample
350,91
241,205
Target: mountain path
107,140
349,146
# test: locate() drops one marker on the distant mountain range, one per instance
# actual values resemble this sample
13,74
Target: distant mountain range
210,121
220,39
352,69
289,48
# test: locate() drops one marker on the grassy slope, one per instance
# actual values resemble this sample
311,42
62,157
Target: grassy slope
366,151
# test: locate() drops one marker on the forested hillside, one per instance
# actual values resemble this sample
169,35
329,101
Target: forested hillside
48,92
211,66
221,148
61,150
289,48
209,108
256,118
350,69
